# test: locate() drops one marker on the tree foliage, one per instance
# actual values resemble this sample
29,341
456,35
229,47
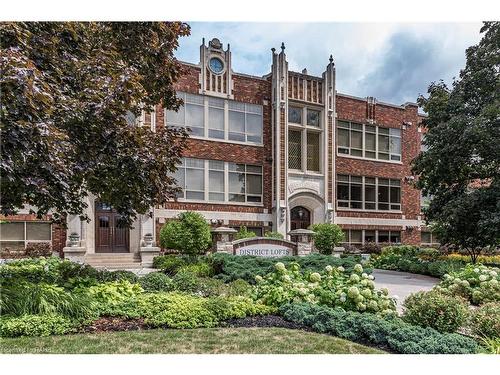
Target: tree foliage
461,168
67,90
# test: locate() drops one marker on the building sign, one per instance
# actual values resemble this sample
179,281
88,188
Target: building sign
264,250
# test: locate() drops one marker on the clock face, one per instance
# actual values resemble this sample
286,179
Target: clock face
216,65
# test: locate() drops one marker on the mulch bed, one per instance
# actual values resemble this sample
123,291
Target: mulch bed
109,324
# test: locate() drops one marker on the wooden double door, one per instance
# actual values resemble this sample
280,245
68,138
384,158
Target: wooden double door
300,218
110,235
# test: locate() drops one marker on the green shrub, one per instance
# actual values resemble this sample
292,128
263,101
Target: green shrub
276,235
490,345
34,325
485,320
198,269
185,282
187,311
25,298
477,283
155,282
332,287
113,292
390,332
38,249
170,264
326,237
424,261
229,267
106,276
190,234
433,309
244,233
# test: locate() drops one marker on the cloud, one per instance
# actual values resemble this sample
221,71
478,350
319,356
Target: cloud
391,61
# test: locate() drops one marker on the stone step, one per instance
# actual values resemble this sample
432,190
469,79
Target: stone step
130,257
117,266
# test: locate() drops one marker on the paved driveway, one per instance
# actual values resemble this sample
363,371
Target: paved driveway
402,284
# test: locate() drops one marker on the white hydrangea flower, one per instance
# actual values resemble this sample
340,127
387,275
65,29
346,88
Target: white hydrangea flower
476,270
287,278
280,266
258,278
483,278
358,268
329,269
493,274
371,277
364,275
315,277
341,269
354,278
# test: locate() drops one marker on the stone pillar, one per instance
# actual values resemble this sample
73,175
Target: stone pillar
222,239
75,247
304,240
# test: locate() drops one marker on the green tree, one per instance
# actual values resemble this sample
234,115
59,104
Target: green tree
244,233
461,166
189,233
70,92
326,237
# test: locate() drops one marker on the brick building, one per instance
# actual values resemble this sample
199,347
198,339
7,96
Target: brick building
280,152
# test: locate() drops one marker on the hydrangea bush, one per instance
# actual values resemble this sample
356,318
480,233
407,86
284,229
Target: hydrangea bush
477,283
332,287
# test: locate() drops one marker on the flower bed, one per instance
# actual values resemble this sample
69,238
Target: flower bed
332,287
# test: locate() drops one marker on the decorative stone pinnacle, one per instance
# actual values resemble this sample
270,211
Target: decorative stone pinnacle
282,46
273,50
331,58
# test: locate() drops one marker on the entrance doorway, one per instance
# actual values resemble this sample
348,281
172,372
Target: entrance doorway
110,235
300,218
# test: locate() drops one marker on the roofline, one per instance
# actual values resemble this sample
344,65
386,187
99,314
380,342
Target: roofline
402,106
263,78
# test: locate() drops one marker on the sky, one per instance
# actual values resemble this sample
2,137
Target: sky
394,62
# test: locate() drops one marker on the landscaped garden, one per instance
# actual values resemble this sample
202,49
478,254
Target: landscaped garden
80,307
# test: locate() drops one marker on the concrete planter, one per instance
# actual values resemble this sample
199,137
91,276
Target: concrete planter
75,254
147,255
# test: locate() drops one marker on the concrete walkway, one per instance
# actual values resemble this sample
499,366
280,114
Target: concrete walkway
402,284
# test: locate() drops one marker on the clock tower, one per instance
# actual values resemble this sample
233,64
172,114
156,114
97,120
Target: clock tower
216,73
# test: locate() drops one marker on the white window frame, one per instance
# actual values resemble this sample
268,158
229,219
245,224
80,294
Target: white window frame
226,171
226,139
25,233
363,140
304,128
348,239
434,240
363,200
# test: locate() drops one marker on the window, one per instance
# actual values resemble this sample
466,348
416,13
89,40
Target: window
195,114
195,179
219,181
429,238
369,193
216,180
294,149
425,200
244,120
363,236
16,235
368,141
295,115
215,118
313,151
313,117
304,139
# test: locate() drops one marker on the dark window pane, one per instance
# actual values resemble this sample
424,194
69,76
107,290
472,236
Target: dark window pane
383,236
343,192
295,115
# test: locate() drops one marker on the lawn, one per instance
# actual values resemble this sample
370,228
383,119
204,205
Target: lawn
190,341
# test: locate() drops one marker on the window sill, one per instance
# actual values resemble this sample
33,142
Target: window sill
369,211
296,172
253,144
217,202
368,159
